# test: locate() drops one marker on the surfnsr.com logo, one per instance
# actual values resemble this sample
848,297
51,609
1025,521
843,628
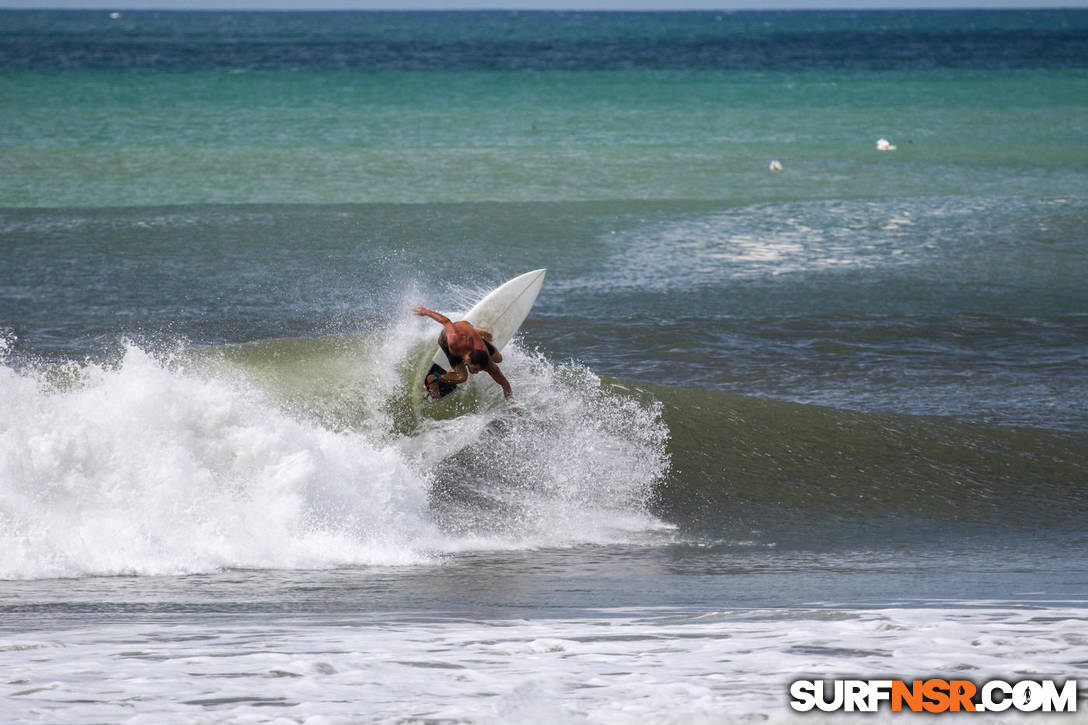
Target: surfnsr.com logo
933,695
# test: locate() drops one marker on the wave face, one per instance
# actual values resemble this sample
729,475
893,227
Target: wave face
292,453
803,475
193,462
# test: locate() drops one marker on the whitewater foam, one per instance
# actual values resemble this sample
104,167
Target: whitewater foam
616,667
149,468
168,465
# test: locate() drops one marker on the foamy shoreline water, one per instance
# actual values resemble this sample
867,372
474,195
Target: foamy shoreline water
613,667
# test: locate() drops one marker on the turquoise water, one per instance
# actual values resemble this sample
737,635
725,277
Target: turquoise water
420,108
139,138
777,420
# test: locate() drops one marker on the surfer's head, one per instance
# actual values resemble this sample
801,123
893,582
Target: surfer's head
477,360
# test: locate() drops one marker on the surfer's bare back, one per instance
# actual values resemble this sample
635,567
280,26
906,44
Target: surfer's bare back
468,349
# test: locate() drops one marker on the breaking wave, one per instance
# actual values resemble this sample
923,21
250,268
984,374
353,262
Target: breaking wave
307,454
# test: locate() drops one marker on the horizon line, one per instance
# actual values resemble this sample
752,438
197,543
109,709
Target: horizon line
272,9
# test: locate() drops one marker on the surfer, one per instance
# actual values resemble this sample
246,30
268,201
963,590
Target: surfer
468,349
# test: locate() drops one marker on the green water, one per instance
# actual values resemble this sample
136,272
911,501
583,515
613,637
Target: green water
109,139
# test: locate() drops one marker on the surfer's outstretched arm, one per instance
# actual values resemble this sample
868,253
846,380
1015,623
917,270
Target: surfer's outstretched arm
448,328
436,316
498,377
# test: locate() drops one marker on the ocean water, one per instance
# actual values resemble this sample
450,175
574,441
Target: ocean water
824,422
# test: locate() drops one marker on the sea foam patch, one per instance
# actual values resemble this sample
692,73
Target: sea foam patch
798,237
618,667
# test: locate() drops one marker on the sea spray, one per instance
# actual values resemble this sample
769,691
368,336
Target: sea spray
569,459
575,460
285,454
151,468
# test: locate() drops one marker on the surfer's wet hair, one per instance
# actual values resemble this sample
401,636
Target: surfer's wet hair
479,358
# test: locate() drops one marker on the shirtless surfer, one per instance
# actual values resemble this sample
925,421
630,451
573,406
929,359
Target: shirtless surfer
468,349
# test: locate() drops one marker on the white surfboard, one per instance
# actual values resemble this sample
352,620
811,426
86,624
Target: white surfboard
501,312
